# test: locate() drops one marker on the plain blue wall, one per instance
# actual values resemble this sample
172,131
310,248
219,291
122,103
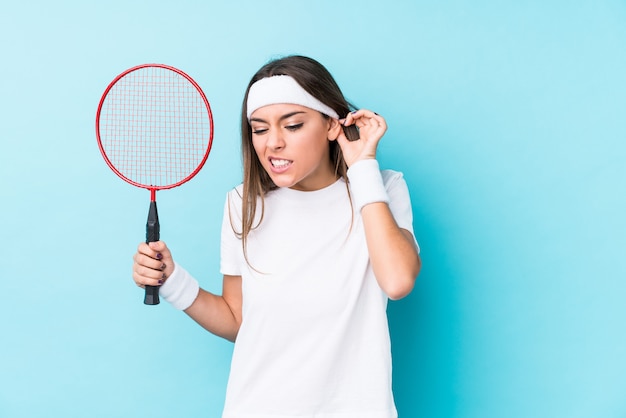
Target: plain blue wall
507,118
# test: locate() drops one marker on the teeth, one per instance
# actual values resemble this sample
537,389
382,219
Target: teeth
280,163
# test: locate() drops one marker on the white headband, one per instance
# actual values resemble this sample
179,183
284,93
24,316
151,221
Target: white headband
283,89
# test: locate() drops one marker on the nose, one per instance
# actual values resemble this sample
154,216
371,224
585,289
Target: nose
275,140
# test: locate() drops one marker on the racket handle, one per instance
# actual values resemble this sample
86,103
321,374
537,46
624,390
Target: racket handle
152,235
152,295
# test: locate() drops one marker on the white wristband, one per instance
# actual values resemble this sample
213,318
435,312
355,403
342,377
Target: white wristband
180,289
366,184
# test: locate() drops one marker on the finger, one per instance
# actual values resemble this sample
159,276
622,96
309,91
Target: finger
148,277
350,118
372,121
144,248
150,262
380,120
365,118
359,113
157,245
157,250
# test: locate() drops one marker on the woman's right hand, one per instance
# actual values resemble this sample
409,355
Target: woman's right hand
153,264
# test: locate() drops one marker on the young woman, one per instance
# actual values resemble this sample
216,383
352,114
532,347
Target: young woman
314,243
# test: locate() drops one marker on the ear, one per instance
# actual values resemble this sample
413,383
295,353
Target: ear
334,129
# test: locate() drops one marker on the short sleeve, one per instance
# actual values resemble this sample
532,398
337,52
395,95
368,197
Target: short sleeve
399,200
231,251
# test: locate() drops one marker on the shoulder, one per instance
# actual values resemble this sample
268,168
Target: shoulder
236,191
395,185
392,177
235,194
234,199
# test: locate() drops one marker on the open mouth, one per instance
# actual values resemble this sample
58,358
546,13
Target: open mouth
278,163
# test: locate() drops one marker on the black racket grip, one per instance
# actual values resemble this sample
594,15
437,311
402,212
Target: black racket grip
152,235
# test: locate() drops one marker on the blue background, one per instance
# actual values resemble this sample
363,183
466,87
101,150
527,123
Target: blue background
507,118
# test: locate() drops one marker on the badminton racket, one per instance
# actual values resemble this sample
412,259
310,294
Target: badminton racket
155,129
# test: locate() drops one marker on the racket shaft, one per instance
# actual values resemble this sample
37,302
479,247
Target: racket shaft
152,235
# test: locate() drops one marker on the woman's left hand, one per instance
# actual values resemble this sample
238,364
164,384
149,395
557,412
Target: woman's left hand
371,126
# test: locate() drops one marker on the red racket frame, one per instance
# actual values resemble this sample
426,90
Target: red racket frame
153,188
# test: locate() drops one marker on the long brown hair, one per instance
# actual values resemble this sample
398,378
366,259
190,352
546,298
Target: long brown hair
316,80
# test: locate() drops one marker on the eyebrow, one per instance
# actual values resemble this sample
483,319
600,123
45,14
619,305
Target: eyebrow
285,116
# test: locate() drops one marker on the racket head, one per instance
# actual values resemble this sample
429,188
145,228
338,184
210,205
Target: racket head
154,126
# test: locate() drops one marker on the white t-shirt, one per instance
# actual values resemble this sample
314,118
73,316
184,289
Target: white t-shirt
314,339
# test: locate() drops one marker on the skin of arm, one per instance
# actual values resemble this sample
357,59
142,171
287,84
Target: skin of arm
220,315
393,253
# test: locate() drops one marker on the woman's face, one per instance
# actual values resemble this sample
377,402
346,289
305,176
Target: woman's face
292,143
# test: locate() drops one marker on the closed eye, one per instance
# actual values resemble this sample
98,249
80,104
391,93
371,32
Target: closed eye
294,127
259,131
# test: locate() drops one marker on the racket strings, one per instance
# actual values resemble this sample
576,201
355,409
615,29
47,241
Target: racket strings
154,127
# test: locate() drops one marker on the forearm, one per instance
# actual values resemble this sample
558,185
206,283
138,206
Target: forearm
393,253
214,314
220,315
